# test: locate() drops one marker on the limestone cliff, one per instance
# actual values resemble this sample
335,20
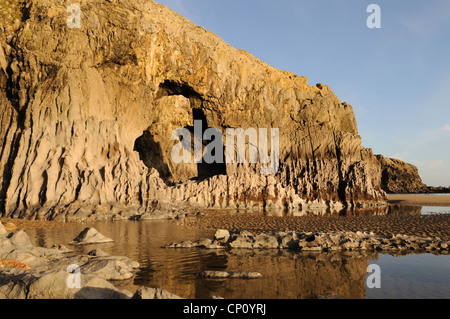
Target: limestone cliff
87,115
398,177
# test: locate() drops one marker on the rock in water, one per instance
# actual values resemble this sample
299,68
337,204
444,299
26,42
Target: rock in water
153,293
87,118
222,235
90,236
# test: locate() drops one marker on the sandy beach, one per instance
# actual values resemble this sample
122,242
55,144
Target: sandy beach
435,225
420,200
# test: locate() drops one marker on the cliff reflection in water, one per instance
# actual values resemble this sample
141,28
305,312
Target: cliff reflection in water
373,211
286,275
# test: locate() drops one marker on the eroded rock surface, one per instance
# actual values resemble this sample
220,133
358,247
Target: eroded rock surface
398,177
87,116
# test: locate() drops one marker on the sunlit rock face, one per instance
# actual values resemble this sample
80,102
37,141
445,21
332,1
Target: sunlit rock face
87,116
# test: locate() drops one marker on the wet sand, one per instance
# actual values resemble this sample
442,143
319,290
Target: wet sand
413,225
420,200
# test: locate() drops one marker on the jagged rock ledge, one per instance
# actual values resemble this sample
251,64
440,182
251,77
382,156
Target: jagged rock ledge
319,242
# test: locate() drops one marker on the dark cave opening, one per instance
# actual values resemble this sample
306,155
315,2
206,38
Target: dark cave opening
204,170
207,170
168,88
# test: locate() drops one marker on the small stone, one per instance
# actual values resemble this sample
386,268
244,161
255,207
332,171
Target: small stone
245,275
242,242
215,245
187,244
222,235
204,242
214,274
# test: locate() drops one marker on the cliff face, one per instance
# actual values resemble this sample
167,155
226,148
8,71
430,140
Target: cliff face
398,177
87,116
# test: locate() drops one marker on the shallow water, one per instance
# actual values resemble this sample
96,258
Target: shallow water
286,275
426,210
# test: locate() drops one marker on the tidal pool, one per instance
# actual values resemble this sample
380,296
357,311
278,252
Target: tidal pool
286,274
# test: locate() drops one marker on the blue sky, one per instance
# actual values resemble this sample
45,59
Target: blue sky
397,78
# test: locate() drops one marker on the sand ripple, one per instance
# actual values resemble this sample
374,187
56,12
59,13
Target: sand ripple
412,225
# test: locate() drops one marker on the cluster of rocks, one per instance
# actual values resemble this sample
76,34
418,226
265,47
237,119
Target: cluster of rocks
345,241
30,272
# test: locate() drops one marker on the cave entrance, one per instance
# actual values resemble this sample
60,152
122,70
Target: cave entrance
206,170
151,154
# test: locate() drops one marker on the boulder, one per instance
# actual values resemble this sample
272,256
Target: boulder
90,236
265,241
108,269
20,239
222,235
53,285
